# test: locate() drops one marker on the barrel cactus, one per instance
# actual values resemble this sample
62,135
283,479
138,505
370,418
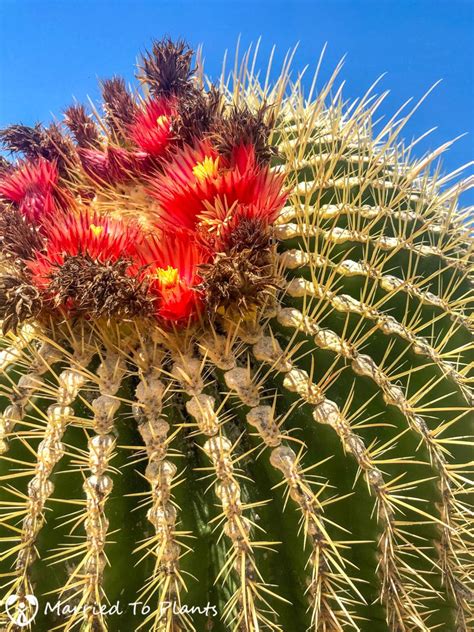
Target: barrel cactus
236,364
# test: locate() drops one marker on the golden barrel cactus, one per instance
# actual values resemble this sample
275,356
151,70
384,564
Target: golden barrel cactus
236,364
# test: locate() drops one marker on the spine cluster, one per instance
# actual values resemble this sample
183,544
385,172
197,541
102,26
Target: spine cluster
50,451
98,485
160,473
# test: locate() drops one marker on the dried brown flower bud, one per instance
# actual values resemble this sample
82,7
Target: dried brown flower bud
118,104
242,126
19,239
99,289
167,69
82,127
19,301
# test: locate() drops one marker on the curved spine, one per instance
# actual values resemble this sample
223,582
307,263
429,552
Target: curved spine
299,287
246,610
50,451
165,583
10,354
22,392
452,510
295,258
338,235
329,611
400,593
87,578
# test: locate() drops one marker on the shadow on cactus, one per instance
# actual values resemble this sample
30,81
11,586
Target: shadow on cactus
237,364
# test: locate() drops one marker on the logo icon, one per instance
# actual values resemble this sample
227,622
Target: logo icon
21,610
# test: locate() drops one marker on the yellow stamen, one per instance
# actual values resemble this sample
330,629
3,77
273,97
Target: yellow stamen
167,278
96,230
208,168
162,121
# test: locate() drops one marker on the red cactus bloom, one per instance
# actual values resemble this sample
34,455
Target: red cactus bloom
33,186
151,129
112,166
99,237
198,180
171,270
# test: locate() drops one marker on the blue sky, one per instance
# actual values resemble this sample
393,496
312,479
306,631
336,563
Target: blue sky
52,50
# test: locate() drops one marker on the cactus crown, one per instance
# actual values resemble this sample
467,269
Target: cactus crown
217,271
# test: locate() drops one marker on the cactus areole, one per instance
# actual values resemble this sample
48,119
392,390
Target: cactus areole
236,363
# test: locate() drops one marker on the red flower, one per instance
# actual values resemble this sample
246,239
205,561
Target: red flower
198,182
99,237
171,270
112,166
150,132
33,186
151,129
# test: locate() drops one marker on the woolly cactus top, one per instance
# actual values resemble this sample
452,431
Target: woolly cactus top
162,209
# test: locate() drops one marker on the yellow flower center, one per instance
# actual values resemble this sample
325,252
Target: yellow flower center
208,168
162,121
167,277
96,230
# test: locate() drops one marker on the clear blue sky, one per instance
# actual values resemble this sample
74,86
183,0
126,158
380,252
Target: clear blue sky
52,50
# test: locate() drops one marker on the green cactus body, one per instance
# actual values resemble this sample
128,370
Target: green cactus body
305,466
